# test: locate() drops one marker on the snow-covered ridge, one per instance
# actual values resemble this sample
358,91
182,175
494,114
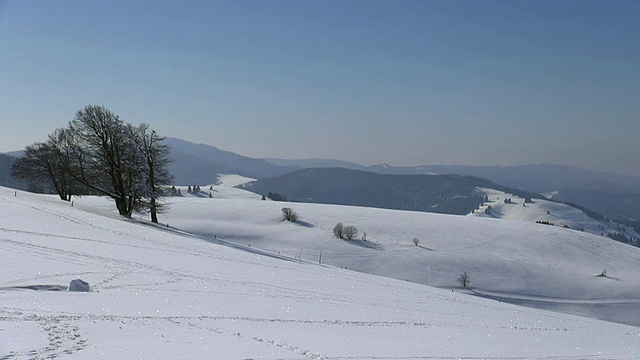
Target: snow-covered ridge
513,208
161,294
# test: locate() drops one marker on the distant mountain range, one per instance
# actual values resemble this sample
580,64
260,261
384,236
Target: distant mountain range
449,194
201,164
5,173
542,178
616,196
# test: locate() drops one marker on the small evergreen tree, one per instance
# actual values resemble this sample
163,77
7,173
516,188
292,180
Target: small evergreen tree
276,197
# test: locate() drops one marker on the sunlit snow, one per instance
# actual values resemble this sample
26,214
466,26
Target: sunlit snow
159,292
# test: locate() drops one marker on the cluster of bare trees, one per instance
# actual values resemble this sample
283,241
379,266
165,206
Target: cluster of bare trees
289,215
345,232
99,153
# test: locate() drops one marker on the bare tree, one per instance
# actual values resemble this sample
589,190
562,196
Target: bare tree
154,167
99,153
464,279
338,230
289,215
39,164
416,241
350,232
44,165
103,157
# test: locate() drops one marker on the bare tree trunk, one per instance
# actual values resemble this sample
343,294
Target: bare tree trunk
154,213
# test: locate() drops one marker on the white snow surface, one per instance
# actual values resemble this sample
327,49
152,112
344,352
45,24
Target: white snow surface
510,258
555,213
231,180
159,292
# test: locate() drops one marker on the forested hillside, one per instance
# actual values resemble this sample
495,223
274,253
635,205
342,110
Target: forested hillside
449,194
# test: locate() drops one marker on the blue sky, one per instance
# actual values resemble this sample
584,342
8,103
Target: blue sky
398,82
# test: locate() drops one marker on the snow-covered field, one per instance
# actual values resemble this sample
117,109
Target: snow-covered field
160,293
511,259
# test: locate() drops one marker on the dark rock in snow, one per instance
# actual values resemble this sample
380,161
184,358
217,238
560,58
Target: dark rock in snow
79,285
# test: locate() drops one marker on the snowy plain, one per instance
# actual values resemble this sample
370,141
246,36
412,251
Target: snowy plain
203,288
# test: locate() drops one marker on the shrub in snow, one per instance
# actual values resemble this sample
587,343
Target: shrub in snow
79,285
416,241
603,273
338,230
350,232
289,215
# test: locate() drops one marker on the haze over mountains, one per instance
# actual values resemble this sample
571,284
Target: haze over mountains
615,196
224,248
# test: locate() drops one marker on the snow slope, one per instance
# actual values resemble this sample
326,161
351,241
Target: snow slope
231,180
161,294
519,261
552,212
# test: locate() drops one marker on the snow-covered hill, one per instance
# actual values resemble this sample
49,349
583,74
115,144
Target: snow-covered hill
517,260
550,213
159,293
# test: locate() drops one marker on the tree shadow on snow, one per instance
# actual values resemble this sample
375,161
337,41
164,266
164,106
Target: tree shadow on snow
37,287
201,194
364,244
304,224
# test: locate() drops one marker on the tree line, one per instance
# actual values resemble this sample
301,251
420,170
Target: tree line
99,153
